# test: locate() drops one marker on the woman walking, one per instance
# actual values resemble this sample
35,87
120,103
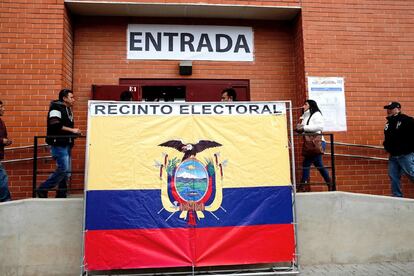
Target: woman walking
312,122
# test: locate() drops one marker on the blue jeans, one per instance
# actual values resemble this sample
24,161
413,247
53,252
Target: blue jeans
318,163
397,165
4,185
60,176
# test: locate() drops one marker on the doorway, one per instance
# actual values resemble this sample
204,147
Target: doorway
163,93
188,90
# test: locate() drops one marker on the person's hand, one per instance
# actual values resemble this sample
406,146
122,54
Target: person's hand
299,128
76,131
7,142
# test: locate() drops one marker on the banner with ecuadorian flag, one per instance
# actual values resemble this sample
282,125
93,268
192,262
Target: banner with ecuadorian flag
187,184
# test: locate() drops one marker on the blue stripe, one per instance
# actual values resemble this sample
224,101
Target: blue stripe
142,209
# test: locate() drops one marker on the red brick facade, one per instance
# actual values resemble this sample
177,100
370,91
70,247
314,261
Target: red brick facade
45,47
370,44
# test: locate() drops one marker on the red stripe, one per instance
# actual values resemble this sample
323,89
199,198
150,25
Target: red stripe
245,245
125,249
128,249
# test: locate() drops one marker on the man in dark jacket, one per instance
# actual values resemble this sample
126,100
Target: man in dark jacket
228,95
4,141
60,123
399,143
126,96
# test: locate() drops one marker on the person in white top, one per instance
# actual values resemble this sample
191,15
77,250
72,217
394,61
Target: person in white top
312,121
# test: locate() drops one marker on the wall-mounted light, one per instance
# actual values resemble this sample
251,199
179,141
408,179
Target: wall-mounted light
186,68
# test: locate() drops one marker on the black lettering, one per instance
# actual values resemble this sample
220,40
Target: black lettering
254,109
206,109
241,109
121,109
154,108
193,111
142,109
241,43
99,109
187,39
166,109
170,40
112,109
230,108
275,111
133,40
204,42
218,107
184,109
155,43
266,109
219,45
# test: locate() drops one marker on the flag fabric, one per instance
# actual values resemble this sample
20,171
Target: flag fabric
187,184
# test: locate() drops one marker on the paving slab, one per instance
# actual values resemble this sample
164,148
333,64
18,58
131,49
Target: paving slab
374,269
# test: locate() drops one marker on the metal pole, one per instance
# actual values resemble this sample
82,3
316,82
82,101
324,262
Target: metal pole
34,167
333,162
293,170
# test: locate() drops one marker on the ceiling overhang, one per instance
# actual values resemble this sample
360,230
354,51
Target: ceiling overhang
181,10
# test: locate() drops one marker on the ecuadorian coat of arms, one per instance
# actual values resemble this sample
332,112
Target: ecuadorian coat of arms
189,185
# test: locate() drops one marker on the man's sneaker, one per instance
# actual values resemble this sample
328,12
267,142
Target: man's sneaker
61,193
41,194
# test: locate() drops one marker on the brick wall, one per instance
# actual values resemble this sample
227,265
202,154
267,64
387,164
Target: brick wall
31,34
100,58
67,61
370,44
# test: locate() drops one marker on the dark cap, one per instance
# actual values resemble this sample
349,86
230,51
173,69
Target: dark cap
392,105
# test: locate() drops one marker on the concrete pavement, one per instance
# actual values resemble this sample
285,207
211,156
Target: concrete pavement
374,269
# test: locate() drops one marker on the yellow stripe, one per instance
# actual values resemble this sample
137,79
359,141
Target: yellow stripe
123,150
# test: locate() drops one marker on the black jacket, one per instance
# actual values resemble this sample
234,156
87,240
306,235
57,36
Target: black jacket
58,116
399,135
3,134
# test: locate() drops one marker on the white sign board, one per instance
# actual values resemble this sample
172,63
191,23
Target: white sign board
101,108
329,93
180,42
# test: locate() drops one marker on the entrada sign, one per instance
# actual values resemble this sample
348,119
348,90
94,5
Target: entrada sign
179,42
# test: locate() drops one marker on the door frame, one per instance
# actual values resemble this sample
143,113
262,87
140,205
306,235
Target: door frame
242,86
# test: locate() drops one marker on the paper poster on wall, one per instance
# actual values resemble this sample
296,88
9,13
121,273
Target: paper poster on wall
329,93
